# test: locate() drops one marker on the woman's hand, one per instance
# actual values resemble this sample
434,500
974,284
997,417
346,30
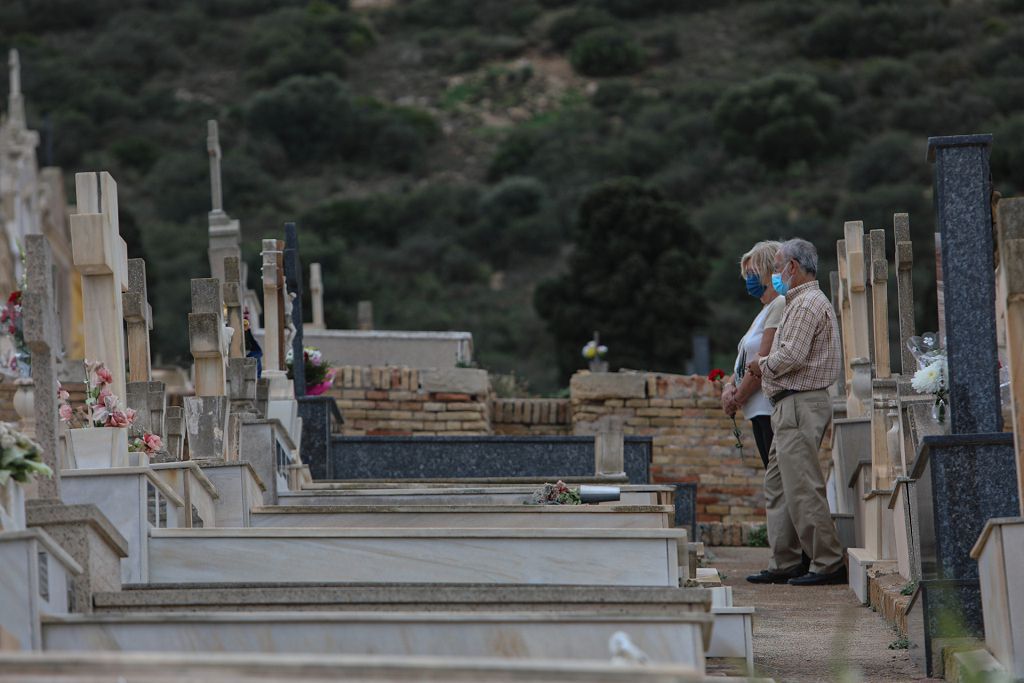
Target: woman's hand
728,394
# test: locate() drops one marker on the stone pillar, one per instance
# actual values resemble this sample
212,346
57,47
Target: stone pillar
146,397
42,334
1011,272
174,425
293,281
859,347
905,290
232,294
316,291
364,315
207,413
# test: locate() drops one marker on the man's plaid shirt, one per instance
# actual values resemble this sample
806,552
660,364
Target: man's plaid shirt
805,354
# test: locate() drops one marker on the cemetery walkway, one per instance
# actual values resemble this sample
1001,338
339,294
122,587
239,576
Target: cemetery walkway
810,634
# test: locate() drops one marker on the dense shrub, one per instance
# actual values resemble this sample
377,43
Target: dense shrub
317,118
635,9
888,159
606,52
514,197
568,26
846,31
493,15
467,49
1008,152
780,118
634,275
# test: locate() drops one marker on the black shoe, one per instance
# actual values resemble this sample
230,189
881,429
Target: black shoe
813,579
768,576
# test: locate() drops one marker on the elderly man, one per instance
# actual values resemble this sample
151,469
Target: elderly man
803,362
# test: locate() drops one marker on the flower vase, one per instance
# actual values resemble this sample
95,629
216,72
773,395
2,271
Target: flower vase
99,447
598,365
12,506
940,410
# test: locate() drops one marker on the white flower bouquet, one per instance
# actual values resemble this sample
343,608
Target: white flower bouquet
933,378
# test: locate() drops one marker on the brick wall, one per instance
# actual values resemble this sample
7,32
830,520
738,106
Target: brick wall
693,440
531,416
406,402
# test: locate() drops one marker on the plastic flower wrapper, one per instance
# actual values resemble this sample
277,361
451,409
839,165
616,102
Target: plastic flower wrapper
319,375
19,456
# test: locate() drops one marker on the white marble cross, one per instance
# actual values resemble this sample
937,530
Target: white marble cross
232,290
15,102
101,256
213,149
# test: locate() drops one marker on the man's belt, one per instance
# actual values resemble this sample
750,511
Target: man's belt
774,399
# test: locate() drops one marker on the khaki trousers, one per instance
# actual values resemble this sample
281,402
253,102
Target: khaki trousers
797,510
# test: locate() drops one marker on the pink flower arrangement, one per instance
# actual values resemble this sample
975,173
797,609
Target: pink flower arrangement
148,443
103,408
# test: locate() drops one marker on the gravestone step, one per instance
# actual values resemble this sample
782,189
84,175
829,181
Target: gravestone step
465,516
448,495
222,667
556,634
615,557
390,597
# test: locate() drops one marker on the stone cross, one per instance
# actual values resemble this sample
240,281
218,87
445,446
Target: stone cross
880,303
835,289
101,256
42,334
964,215
316,291
1011,273
859,348
139,316
232,291
213,149
905,290
15,101
206,338
364,315
293,278
845,315
273,310
225,234
242,394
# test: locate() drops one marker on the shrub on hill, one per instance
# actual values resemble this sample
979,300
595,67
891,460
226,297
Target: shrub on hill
606,51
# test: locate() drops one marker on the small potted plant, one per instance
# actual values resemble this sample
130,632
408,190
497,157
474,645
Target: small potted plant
99,432
20,461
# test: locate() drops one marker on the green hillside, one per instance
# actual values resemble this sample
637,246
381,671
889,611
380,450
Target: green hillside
436,152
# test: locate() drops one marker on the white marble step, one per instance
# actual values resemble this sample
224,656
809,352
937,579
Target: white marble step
155,667
465,516
557,634
609,557
404,597
451,495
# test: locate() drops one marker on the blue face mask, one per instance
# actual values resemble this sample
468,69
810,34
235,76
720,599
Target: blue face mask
780,286
754,286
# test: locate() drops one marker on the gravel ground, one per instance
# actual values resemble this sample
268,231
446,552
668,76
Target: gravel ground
808,634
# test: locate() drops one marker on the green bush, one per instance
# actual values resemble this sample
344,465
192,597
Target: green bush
492,15
758,537
635,9
780,118
568,26
606,51
316,118
136,152
847,31
514,197
889,159
467,49
1007,159
885,76
632,275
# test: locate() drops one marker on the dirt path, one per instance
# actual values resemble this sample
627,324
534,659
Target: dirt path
813,633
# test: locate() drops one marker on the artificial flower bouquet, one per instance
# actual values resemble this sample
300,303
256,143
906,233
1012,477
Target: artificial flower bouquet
20,457
319,373
556,494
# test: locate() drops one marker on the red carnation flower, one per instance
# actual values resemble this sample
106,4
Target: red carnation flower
716,375
15,298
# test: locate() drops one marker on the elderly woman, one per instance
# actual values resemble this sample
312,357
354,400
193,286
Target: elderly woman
756,268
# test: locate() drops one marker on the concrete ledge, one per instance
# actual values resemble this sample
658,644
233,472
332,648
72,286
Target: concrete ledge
78,667
42,514
455,381
603,385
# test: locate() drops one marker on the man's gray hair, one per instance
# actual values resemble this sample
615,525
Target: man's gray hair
803,252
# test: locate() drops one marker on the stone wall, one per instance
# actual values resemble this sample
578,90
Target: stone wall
406,402
7,413
531,416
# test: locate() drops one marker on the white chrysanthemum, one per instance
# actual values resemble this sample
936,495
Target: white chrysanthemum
931,378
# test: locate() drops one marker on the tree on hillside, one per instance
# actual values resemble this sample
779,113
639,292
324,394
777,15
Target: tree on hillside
636,275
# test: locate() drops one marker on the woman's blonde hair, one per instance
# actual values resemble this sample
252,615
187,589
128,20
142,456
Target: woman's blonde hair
760,259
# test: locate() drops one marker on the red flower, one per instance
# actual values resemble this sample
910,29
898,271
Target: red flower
15,298
716,375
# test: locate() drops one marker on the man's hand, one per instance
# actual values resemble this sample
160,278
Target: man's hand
754,367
